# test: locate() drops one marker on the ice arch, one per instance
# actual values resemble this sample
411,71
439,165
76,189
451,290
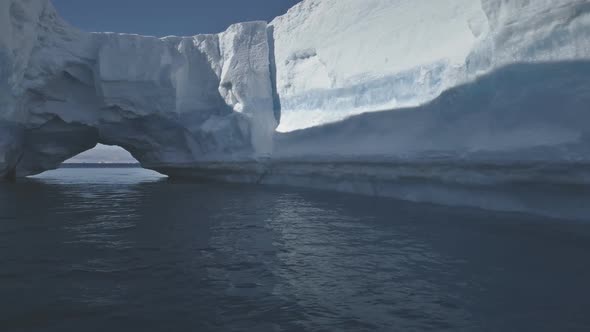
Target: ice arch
168,101
70,115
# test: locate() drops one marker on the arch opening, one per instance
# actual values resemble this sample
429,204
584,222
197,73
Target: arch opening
100,156
104,154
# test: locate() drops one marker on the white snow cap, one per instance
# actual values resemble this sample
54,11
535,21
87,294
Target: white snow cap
337,58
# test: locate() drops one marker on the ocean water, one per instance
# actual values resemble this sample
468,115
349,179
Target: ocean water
130,250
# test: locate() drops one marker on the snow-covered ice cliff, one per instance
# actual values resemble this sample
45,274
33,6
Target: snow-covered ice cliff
337,58
369,96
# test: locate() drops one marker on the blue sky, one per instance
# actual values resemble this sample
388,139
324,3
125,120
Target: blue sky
167,17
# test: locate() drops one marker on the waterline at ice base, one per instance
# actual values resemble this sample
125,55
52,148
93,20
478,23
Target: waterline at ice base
457,102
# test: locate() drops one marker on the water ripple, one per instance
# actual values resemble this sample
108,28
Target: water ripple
127,251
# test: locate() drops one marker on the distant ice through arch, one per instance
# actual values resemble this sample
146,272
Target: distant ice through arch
103,154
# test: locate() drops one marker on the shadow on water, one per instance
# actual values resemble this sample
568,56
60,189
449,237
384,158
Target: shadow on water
126,250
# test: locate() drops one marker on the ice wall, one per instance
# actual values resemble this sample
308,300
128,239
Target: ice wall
519,112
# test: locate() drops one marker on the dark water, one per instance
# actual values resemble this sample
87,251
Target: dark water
124,250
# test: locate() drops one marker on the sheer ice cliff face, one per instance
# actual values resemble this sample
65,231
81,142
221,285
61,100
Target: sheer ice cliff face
168,101
469,92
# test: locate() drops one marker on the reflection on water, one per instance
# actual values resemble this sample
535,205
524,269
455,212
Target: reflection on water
125,249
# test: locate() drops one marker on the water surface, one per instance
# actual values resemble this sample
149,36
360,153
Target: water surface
129,250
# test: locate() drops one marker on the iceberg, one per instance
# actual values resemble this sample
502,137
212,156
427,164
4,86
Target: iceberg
429,101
